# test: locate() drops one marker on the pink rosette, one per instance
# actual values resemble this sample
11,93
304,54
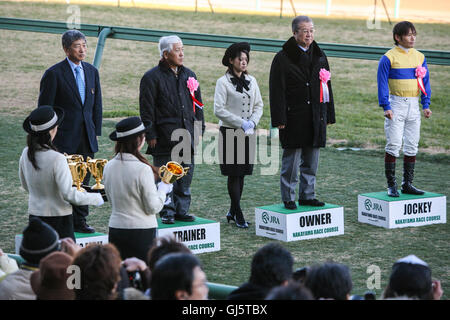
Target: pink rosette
192,85
420,74
324,76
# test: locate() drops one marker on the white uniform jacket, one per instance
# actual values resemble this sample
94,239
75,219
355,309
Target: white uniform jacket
233,107
130,188
50,189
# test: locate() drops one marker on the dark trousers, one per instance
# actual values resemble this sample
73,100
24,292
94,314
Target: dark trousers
80,213
63,225
132,242
181,194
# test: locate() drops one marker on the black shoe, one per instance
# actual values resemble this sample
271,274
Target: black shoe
242,225
168,220
392,191
408,176
84,228
408,188
290,205
311,202
184,217
389,169
229,217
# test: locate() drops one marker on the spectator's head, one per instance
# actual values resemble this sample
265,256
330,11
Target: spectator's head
271,266
50,281
299,275
179,276
404,34
171,50
329,281
163,246
292,291
410,277
39,239
99,267
74,45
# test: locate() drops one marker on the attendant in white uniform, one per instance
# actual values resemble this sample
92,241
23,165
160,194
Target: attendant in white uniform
45,174
130,187
239,107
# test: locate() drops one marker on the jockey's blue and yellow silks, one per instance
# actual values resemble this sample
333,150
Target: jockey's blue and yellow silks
396,76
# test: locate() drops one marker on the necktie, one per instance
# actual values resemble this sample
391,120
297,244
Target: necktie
80,83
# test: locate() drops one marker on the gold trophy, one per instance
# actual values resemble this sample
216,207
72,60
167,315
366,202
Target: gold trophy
96,167
73,158
172,171
78,171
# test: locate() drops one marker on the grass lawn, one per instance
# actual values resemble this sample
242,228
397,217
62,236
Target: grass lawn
342,175
359,120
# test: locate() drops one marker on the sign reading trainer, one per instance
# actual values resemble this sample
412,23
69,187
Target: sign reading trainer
201,235
378,209
277,222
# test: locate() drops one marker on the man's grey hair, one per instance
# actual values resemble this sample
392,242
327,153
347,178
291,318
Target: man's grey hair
166,43
70,36
299,19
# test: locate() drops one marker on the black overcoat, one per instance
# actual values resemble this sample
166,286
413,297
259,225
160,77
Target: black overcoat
166,103
295,96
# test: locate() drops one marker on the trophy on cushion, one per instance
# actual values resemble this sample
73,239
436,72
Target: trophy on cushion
96,167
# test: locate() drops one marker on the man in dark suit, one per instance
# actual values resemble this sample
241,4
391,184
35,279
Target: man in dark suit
301,106
74,85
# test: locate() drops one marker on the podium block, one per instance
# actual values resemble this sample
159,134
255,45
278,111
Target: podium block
82,239
408,210
201,235
306,222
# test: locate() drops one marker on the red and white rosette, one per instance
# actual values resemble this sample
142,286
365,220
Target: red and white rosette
420,74
192,85
324,76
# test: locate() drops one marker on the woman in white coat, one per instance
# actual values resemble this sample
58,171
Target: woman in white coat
45,174
239,107
130,188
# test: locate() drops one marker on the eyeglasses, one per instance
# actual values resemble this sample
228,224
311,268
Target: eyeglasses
306,31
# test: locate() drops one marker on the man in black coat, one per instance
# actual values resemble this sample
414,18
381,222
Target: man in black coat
168,102
301,107
74,85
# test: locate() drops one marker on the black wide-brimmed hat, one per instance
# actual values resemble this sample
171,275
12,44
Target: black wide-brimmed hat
127,128
231,51
43,119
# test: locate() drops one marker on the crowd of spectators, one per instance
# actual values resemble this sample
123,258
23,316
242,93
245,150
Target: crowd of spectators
55,269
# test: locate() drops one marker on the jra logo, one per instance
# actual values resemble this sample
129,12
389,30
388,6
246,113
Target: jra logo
267,218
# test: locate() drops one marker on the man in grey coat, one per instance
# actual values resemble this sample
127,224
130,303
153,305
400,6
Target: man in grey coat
301,107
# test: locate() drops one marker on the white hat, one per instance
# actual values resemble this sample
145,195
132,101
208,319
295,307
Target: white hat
412,259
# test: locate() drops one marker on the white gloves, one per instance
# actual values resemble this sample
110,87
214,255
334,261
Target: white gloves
248,126
100,200
164,187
